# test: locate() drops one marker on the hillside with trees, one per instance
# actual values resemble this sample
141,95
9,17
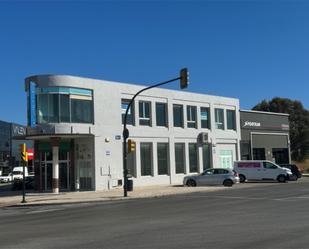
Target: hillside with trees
299,123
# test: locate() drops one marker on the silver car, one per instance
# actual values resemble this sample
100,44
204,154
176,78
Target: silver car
214,176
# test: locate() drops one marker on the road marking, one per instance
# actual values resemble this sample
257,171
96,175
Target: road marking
45,210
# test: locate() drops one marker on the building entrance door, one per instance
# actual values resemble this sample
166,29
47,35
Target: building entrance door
47,171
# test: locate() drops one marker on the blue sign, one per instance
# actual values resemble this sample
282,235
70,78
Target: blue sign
32,104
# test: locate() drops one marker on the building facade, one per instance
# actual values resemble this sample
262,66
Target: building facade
9,145
265,136
76,124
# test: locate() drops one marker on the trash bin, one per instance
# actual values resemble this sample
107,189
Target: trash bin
129,185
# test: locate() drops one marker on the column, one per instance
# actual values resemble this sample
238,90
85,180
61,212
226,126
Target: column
55,181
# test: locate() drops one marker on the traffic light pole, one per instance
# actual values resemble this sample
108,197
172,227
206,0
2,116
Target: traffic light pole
125,132
24,183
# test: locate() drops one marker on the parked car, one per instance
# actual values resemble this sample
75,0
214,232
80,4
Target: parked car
295,171
214,176
29,183
6,177
261,170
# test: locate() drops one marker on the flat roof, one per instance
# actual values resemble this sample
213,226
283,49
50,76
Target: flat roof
262,112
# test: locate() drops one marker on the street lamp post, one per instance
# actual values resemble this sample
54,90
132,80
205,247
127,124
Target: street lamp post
184,81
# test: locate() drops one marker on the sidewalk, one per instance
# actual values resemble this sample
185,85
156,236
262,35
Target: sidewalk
98,196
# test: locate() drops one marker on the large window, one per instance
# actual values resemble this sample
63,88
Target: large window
205,118
219,119
178,115
191,116
231,120
130,116
144,113
180,159
162,153
193,161
81,109
65,105
161,114
146,159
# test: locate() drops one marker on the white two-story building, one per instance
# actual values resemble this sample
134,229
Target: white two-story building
76,124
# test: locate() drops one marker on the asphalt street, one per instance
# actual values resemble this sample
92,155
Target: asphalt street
270,215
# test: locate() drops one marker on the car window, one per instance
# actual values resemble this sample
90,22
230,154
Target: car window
221,171
208,172
268,165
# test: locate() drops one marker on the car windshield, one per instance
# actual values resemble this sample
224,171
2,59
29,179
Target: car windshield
5,174
17,172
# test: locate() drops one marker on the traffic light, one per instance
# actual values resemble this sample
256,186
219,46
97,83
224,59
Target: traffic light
131,145
184,78
23,152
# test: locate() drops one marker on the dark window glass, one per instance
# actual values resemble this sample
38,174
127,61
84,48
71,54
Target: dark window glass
206,156
231,121
130,116
178,115
219,119
258,153
205,118
162,158
144,113
64,108
81,111
161,114
193,157
146,159
191,116
180,159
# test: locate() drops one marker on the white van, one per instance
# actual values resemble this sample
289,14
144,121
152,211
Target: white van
18,173
261,170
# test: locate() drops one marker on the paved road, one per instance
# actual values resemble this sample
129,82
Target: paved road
265,216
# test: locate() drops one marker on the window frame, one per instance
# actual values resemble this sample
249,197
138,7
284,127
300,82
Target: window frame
221,110
165,114
191,116
208,123
182,115
233,121
142,115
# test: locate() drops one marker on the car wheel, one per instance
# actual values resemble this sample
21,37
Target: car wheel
242,178
191,183
228,183
281,178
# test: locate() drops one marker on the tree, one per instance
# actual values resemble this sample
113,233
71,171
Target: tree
299,123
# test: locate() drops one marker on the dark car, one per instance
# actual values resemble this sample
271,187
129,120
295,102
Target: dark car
18,183
293,168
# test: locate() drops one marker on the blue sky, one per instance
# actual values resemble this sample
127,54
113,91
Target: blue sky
251,50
